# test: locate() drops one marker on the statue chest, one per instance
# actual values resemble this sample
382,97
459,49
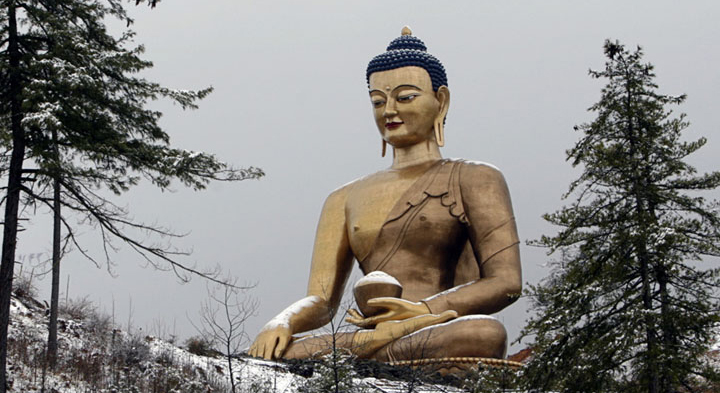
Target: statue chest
368,207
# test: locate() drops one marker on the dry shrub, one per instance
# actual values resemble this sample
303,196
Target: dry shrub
99,323
87,365
77,309
130,351
23,286
165,358
200,346
26,348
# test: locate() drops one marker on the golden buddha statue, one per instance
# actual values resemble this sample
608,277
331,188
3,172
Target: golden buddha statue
436,237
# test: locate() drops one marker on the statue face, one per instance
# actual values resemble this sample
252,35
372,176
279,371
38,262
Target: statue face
404,104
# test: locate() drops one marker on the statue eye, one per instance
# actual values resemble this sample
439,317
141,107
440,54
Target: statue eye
406,98
378,103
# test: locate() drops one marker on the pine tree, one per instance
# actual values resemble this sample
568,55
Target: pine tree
73,112
628,306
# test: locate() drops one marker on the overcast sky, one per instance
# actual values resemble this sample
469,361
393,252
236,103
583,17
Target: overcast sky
290,97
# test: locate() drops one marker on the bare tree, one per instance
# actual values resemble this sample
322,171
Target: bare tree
334,350
222,320
74,113
414,349
52,344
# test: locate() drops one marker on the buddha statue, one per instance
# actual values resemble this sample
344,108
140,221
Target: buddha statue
436,237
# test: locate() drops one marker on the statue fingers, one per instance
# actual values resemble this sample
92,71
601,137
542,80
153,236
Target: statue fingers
358,321
406,326
374,320
282,343
267,351
354,318
422,321
433,319
446,315
386,302
256,349
354,314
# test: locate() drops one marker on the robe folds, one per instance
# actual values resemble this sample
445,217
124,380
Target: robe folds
454,219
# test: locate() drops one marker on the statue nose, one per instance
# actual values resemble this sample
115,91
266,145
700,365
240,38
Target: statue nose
390,109
390,113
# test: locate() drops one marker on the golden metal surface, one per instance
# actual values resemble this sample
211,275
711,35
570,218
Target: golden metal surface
443,228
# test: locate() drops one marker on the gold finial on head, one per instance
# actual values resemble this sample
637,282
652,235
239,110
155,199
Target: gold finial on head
406,31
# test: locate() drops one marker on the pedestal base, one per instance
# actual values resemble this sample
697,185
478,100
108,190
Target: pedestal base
454,365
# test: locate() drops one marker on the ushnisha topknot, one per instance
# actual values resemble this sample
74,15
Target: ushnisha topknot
408,50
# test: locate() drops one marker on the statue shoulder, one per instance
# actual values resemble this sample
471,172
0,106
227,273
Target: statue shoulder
483,188
479,172
359,183
341,193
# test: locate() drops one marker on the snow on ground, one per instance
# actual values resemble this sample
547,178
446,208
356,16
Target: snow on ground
94,357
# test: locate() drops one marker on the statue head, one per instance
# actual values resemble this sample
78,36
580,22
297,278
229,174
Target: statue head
409,93
408,50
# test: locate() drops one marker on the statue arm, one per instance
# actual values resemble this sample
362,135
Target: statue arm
493,235
331,266
331,261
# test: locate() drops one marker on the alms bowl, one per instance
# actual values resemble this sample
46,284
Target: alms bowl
375,284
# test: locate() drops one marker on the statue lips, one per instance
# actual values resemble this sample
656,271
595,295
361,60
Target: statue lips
393,125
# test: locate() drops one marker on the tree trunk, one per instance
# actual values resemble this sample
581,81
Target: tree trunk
650,327
650,331
669,336
12,202
230,367
55,291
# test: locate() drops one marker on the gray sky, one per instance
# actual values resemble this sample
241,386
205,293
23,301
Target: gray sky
290,97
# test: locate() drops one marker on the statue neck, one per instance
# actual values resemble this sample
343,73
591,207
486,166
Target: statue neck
420,153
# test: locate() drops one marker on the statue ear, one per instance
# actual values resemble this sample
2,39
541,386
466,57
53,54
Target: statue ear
443,96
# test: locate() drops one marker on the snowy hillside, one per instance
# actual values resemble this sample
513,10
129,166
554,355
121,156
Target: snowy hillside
95,357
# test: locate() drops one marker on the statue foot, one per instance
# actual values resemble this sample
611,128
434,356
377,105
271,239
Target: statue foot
367,342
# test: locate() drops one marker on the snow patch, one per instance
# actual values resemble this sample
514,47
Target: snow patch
283,319
451,290
460,319
377,277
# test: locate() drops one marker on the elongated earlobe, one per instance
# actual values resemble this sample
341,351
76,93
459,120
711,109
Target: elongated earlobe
439,133
443,96
384,147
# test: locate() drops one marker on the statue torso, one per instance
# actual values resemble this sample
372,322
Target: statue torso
421,242
371,199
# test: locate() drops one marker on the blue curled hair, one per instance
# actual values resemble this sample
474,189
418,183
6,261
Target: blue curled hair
405,51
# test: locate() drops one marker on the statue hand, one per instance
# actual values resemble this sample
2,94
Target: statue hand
366,342
271,342
396,309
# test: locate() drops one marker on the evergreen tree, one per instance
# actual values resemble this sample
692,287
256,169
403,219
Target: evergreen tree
628,306
73,106
333,373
